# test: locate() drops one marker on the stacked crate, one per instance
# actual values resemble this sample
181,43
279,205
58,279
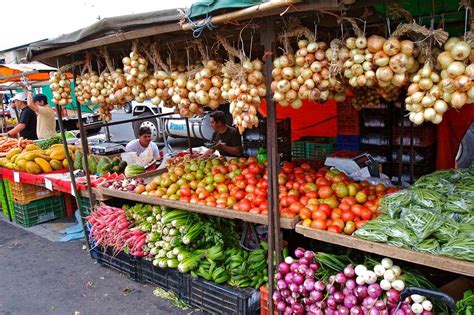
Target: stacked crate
348,127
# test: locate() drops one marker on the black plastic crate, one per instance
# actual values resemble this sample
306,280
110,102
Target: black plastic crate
121,262
222,299
166,278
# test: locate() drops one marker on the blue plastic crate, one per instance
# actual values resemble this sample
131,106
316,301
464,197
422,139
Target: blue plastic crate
351,143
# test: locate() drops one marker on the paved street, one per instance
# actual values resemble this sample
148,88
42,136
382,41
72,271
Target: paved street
38,277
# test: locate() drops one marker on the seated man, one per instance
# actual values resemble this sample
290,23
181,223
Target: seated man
228,139
143,143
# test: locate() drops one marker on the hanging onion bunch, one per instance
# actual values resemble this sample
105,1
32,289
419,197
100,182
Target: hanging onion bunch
208,84
365,98
337,54
61,88
425,97
247,87
394,60
135,70
457,73
286,86
83,89
359,69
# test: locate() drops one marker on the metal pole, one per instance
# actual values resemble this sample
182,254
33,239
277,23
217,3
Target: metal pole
400,152
189,137
274,242
107,133
70,163
4,192
113,123
412,154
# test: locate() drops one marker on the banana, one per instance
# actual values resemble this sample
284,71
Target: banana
203,273
211,268
234,265
222,279
260,266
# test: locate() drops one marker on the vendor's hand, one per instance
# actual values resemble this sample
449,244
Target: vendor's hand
218,146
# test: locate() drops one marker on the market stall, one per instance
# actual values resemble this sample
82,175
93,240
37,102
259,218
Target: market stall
382,88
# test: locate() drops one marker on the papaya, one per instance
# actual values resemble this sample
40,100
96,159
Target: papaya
3,161
13,158
13,152
45,167
65,163
10,165
56,165
31,147
21,164
78,160
32,168
57,145
58,154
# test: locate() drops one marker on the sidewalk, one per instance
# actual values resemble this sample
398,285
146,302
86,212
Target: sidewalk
38,277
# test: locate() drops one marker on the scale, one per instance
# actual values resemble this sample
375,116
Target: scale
107,148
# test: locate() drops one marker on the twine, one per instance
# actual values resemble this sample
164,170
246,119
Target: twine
439,35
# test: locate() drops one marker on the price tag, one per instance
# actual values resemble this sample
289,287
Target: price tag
72,190
16,177
48,184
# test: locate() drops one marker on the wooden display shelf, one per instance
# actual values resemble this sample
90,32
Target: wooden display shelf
286,223
439,262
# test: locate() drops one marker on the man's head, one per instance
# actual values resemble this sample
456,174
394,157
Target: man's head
19,100
40,100
144,136
218,121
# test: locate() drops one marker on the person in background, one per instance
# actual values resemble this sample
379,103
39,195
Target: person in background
142,143
26,127
228,139
46,124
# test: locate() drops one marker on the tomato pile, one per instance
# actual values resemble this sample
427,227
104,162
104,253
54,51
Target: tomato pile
323,199
328,199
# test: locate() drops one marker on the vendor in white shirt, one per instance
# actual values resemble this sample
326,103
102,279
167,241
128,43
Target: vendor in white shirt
143,143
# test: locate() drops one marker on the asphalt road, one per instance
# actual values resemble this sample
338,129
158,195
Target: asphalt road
39,277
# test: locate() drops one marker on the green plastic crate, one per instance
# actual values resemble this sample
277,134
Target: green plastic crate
298,149
4,199
40,211
318,151
85,206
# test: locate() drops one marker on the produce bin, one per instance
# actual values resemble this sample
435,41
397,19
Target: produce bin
165,278
25,193
264,302
39,211
221,299
348,142
298,149
85,206
8,198
121,262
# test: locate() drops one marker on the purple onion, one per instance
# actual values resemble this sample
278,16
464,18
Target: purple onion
351,284
294,266
302,269
279,276
384,312
314,266
318,311
299,252
350,301
322,304
390,305
298,308
285,293
288,310
309,254
374,290
320,286
340,278
283,267
316,295
291,300
393,296
331,302
330,311
332,279
356,310
374,311
309,284
281,306
293,287
346,291
298,279
276,295
338,296
349,271
289,278
310,273
399,312
361,292
368,302
303,261
302,290
427,313
331,289
380,305
343,310
308,302
281,284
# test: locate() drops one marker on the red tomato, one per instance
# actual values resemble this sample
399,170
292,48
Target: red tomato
336,213
255,210
325,208
287,214
185,199
357,209
244,206
305,213
360,224
334,228
319,224
312,207
312,194
304,200
344,207
366,214
347,216
318,214
339,223
296,207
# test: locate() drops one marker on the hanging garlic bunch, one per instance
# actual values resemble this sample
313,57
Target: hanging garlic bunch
135,70
425,97
359,69
61,88
247,87
457,73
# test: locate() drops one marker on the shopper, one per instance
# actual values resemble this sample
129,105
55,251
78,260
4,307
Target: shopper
143,143
26,127
46,124
228,140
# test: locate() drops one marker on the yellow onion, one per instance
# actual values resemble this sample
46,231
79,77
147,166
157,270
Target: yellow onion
391,46
375,43
462,83
460,51
455,69
458,99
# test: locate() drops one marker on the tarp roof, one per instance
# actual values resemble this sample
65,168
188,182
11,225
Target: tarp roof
106,26
32,71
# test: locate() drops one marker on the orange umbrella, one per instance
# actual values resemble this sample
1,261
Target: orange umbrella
30,71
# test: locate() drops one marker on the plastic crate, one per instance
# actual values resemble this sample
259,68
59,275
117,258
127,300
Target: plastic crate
120,262
221,299
25,193
39,211
298,149
85,206
7,198
264,302
349,143
165,278
348,125
318,151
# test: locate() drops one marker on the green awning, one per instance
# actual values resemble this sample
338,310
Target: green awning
208,7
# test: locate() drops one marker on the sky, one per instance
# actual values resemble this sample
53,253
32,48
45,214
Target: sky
32,20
